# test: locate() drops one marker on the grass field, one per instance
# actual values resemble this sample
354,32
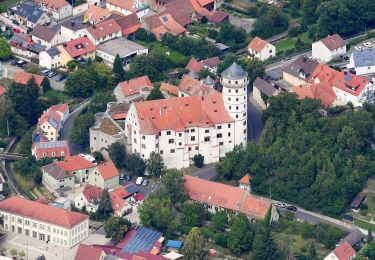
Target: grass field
289,43
4,5
24,183
363,224
59,96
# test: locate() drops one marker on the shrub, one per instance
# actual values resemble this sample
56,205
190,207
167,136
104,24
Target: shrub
198,160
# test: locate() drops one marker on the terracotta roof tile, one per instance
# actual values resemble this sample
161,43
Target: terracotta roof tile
193,87
23,77
92,193
75,163
133,86
108,170
245,179
350,83
344,251
103,29
257,44
42,212
211,62
171,24
57,172
333,42
108,127
129,23
194,65
127,4
322,91
97,14
53,4
218,16
169,88
323,73
48,148
86,252
79,47
205,2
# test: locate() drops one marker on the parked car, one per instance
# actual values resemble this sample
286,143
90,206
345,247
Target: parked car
13,63
368,44
145,183
128,177
59,77
16,30
15,22
51,74
122,177
292,208
280,205
45,72
139,180
358,48
21,63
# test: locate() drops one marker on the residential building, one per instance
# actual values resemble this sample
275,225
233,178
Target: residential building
46,36
126,49
299,71
263,90
329,48
22,45
105,176
43,222
50,58
54,149
179,128
29,15
104,31
129,24
52,120
190,86
58,9
362,61
217,196
78,49
169,89
89,197
22,77
130,90
78,165
128,7
209,64
96,14
245,182
343,252
73,29
261,49
322,91
55,178
86,252
118,199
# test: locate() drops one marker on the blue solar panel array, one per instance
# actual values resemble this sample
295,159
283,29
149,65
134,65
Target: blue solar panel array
142,241
131,189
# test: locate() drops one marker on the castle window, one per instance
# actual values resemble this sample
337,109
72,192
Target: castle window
219,135
171,141
207,131
236,82
192,138
168,132
229,125
172,150
221,143
219,127
207,139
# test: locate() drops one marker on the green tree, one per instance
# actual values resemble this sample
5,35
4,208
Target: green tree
99,101
255,68
10,119
193,214
312,252
173,186
194,245
155,94
5,51
370,237
80,130
116,228
135,164
105,209
198,160
157,212
264,247
118,69
299,44
79,84
226,62
155,164
241,235
98,156
72,65
219,221
117,153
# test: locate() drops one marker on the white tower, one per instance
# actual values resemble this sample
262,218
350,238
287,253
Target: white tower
234,81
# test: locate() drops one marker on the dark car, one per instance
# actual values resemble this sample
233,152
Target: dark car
59,77
13,63
15,22
21,63
128,177
51,74
291,208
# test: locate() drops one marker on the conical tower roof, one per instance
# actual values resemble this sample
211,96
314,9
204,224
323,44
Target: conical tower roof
234,72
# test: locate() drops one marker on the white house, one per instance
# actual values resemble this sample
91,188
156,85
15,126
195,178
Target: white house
362,61
52,120
343,252
71,30
130,90
328,48
30,15
89,197
58,9
50,58
104,31
42,222
46,36
179,128
261,49
127,7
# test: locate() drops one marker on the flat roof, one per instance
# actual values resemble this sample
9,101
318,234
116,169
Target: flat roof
120,46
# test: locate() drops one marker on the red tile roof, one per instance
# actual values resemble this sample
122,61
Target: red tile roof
350,83
226,196
333,42
211,62
218,16
257,44
97,14
42,212
2,90
193,87
86,252
54,115
118,198
322,73
78,47
103,29
127,4
133,86
108,170
169,88
91,192
194,65
173,27
53,4
22,77
180,113
41,148
205,2
322,91
245,179
75,163
344,251
129,23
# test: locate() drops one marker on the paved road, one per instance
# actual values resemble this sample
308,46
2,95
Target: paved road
67,127
255,123
8,170
209,173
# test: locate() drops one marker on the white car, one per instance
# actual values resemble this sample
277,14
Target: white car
139,180
358,48
368,44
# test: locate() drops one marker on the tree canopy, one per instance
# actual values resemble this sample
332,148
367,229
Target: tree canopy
117,153
194,245
5,51
116,228
80,133
317,162
155,94
155,164
105,206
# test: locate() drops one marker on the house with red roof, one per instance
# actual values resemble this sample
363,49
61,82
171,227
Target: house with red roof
89,197
209,64
58,9
96,14
104,31
51,121
343,252
22,77
261,49
119,204
105,176
128,7
169,89
56,149
190,86
217,196
322,91
130,90
328,48
129,23
42,222
77,49
87,252
245,182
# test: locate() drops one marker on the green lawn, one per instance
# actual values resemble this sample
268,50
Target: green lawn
59,96
4,5
363,224
288,43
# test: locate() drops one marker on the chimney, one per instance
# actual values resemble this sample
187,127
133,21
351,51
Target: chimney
72,23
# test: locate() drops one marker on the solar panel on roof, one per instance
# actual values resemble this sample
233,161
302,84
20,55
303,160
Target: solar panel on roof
36,13
142,241
46,145
348,77
131,189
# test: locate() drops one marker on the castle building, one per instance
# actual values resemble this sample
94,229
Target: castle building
182,127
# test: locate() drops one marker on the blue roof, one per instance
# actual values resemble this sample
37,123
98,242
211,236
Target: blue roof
142,241
28,11
174,244
131,188
364,57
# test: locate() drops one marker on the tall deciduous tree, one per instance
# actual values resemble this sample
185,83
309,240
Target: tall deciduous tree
155,94
99,101
105,206
264,247
135,164
118,69
80,130
80,84
194,245
241,235
117,153
193,214
155,164
173,186
116,228
5,51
